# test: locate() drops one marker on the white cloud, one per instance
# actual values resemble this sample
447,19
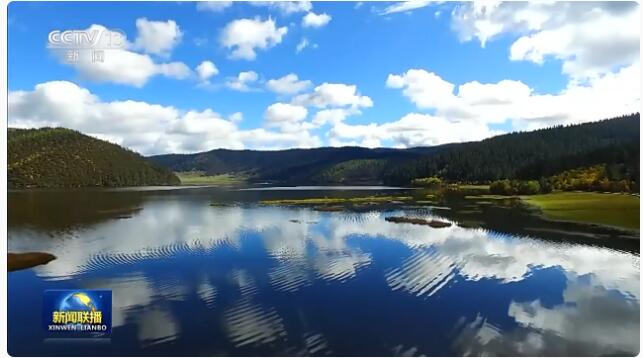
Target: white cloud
412,130
288,117
607,96
205,70
336,102
213,6
334,95
241,82
245,36
177,70
288,84
425,89
333,116
144,127
286,7
302,45
600,97
120,65
415,129
403,6
270,140
236,117
157,37
590,38
315,20
126,67
503,92
285,112
592,47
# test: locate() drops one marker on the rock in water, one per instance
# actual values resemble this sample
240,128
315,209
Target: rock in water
27,259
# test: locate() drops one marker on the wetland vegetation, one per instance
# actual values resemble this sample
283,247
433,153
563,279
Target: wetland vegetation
611,209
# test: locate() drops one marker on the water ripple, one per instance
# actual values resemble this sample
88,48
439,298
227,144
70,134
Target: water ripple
316,344
340,266
207,293
289,277
250,323
424,273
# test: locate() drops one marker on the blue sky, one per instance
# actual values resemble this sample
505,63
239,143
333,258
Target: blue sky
371,46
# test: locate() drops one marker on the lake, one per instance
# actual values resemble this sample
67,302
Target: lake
240,278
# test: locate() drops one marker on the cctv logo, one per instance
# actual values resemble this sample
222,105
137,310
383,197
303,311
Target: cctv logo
94,38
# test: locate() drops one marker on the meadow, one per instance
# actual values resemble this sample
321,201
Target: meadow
201,178
620,210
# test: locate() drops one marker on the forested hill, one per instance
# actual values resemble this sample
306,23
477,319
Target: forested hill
531,155
523,155
58,157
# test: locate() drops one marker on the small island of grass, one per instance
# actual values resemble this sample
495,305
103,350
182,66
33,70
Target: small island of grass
342,204
336,201
418,221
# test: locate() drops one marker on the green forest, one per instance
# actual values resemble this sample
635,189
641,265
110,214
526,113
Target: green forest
59,157
531,155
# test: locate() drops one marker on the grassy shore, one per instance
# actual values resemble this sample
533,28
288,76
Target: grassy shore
473,186
200,178
618,210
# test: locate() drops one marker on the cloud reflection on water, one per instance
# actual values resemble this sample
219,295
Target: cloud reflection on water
592,320
306,247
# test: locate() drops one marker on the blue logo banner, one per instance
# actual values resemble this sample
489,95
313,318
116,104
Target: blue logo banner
77,313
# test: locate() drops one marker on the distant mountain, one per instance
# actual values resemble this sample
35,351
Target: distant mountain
59,157
292,165
522,155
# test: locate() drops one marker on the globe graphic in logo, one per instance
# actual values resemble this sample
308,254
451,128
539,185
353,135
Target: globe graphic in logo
77,301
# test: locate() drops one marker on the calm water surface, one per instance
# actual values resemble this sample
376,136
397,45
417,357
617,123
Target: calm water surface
243,279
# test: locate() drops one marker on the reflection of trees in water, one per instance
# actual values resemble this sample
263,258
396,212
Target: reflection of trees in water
63,211
512,217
